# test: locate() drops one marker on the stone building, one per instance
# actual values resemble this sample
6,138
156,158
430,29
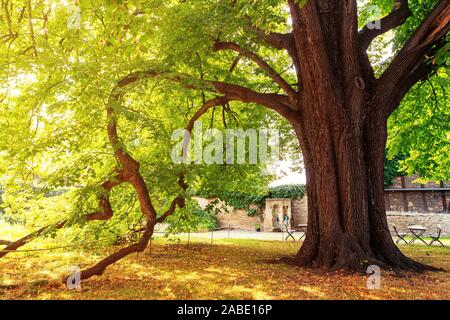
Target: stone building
266,218
407,203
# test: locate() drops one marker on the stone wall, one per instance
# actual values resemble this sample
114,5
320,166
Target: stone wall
275,212
429,220
409,196
402,220
238,218
229,216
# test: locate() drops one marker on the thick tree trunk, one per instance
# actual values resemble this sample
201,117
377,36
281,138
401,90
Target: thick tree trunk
347,225
341,124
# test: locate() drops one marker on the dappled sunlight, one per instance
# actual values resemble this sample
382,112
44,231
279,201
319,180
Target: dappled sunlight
229,269
256,292
314,292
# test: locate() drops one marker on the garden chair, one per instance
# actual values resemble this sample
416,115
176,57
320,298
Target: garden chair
290,232
400,235
284,227
436,236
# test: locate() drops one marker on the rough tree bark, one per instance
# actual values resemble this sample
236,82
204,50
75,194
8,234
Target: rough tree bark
342,128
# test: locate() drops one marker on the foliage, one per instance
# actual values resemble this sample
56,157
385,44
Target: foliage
392,169
57,77
419,128
192,218
243,200
58,71
292,191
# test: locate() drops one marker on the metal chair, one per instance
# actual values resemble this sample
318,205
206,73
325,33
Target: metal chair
436,236
284,227
290,232
400,235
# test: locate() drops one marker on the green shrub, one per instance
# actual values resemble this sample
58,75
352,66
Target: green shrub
192,218
391,169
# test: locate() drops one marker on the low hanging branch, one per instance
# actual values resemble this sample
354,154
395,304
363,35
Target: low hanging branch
129,171
14,245
105,214
131,166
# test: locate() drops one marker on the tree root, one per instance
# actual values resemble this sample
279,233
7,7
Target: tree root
346,254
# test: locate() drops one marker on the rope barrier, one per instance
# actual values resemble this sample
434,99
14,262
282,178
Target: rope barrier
59,247
81,244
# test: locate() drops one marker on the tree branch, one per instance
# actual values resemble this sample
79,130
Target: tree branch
105,204
101,266
105,214
130,173
276,40
400,12
14,245
30,26
277,102
275,76
411,64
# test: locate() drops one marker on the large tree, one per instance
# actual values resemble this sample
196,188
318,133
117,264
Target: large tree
339,110
328,91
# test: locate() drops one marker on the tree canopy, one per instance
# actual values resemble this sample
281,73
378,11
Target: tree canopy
90,89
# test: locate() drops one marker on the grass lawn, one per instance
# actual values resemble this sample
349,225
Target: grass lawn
229,269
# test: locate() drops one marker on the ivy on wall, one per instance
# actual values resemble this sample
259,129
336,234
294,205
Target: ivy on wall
293,191
392,169
242,200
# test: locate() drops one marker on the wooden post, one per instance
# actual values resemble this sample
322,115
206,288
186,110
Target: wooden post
150,248
229,228
212,235
444,200
404,194
189,237
424,198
